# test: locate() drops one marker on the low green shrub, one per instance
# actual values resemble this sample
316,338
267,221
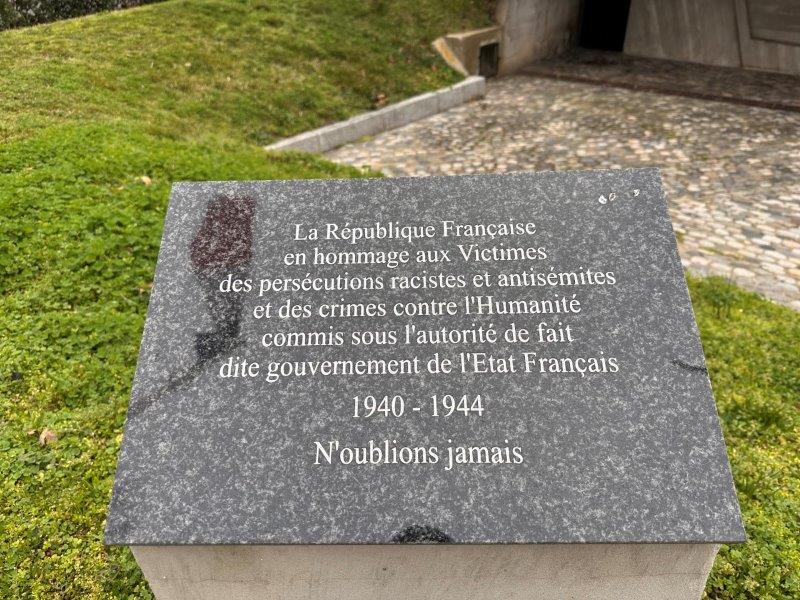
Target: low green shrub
22,13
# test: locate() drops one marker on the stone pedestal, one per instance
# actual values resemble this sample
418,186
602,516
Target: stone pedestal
482,387
428,572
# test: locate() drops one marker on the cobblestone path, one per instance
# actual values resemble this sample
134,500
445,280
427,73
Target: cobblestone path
731,172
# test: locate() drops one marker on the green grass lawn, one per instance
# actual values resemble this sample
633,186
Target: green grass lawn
99,115
252,71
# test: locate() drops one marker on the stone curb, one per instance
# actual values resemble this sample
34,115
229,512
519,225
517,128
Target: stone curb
389,117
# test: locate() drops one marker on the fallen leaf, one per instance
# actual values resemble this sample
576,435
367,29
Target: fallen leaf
379,100
30,432
145,180
48,436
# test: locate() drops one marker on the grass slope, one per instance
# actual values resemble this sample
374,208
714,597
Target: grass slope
251,70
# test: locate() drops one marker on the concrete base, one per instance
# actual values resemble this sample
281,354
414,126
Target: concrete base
462,50
428,572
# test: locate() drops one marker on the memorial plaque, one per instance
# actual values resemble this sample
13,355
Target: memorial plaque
477,359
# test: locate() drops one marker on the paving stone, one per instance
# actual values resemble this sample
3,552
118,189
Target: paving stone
731,172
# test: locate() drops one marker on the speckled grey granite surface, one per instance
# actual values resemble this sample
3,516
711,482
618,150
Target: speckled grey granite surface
632,456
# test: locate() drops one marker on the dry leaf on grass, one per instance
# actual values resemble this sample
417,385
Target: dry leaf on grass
379,100
48,436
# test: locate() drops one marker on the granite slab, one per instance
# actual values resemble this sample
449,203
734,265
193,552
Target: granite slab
318,367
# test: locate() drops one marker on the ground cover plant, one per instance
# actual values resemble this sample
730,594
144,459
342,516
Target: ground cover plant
752,348
82,209
99,115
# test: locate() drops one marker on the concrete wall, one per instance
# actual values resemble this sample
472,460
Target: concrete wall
769,34
428,572
754,34
702,31
534,29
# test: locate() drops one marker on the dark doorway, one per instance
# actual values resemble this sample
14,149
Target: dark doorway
603,24
488,59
